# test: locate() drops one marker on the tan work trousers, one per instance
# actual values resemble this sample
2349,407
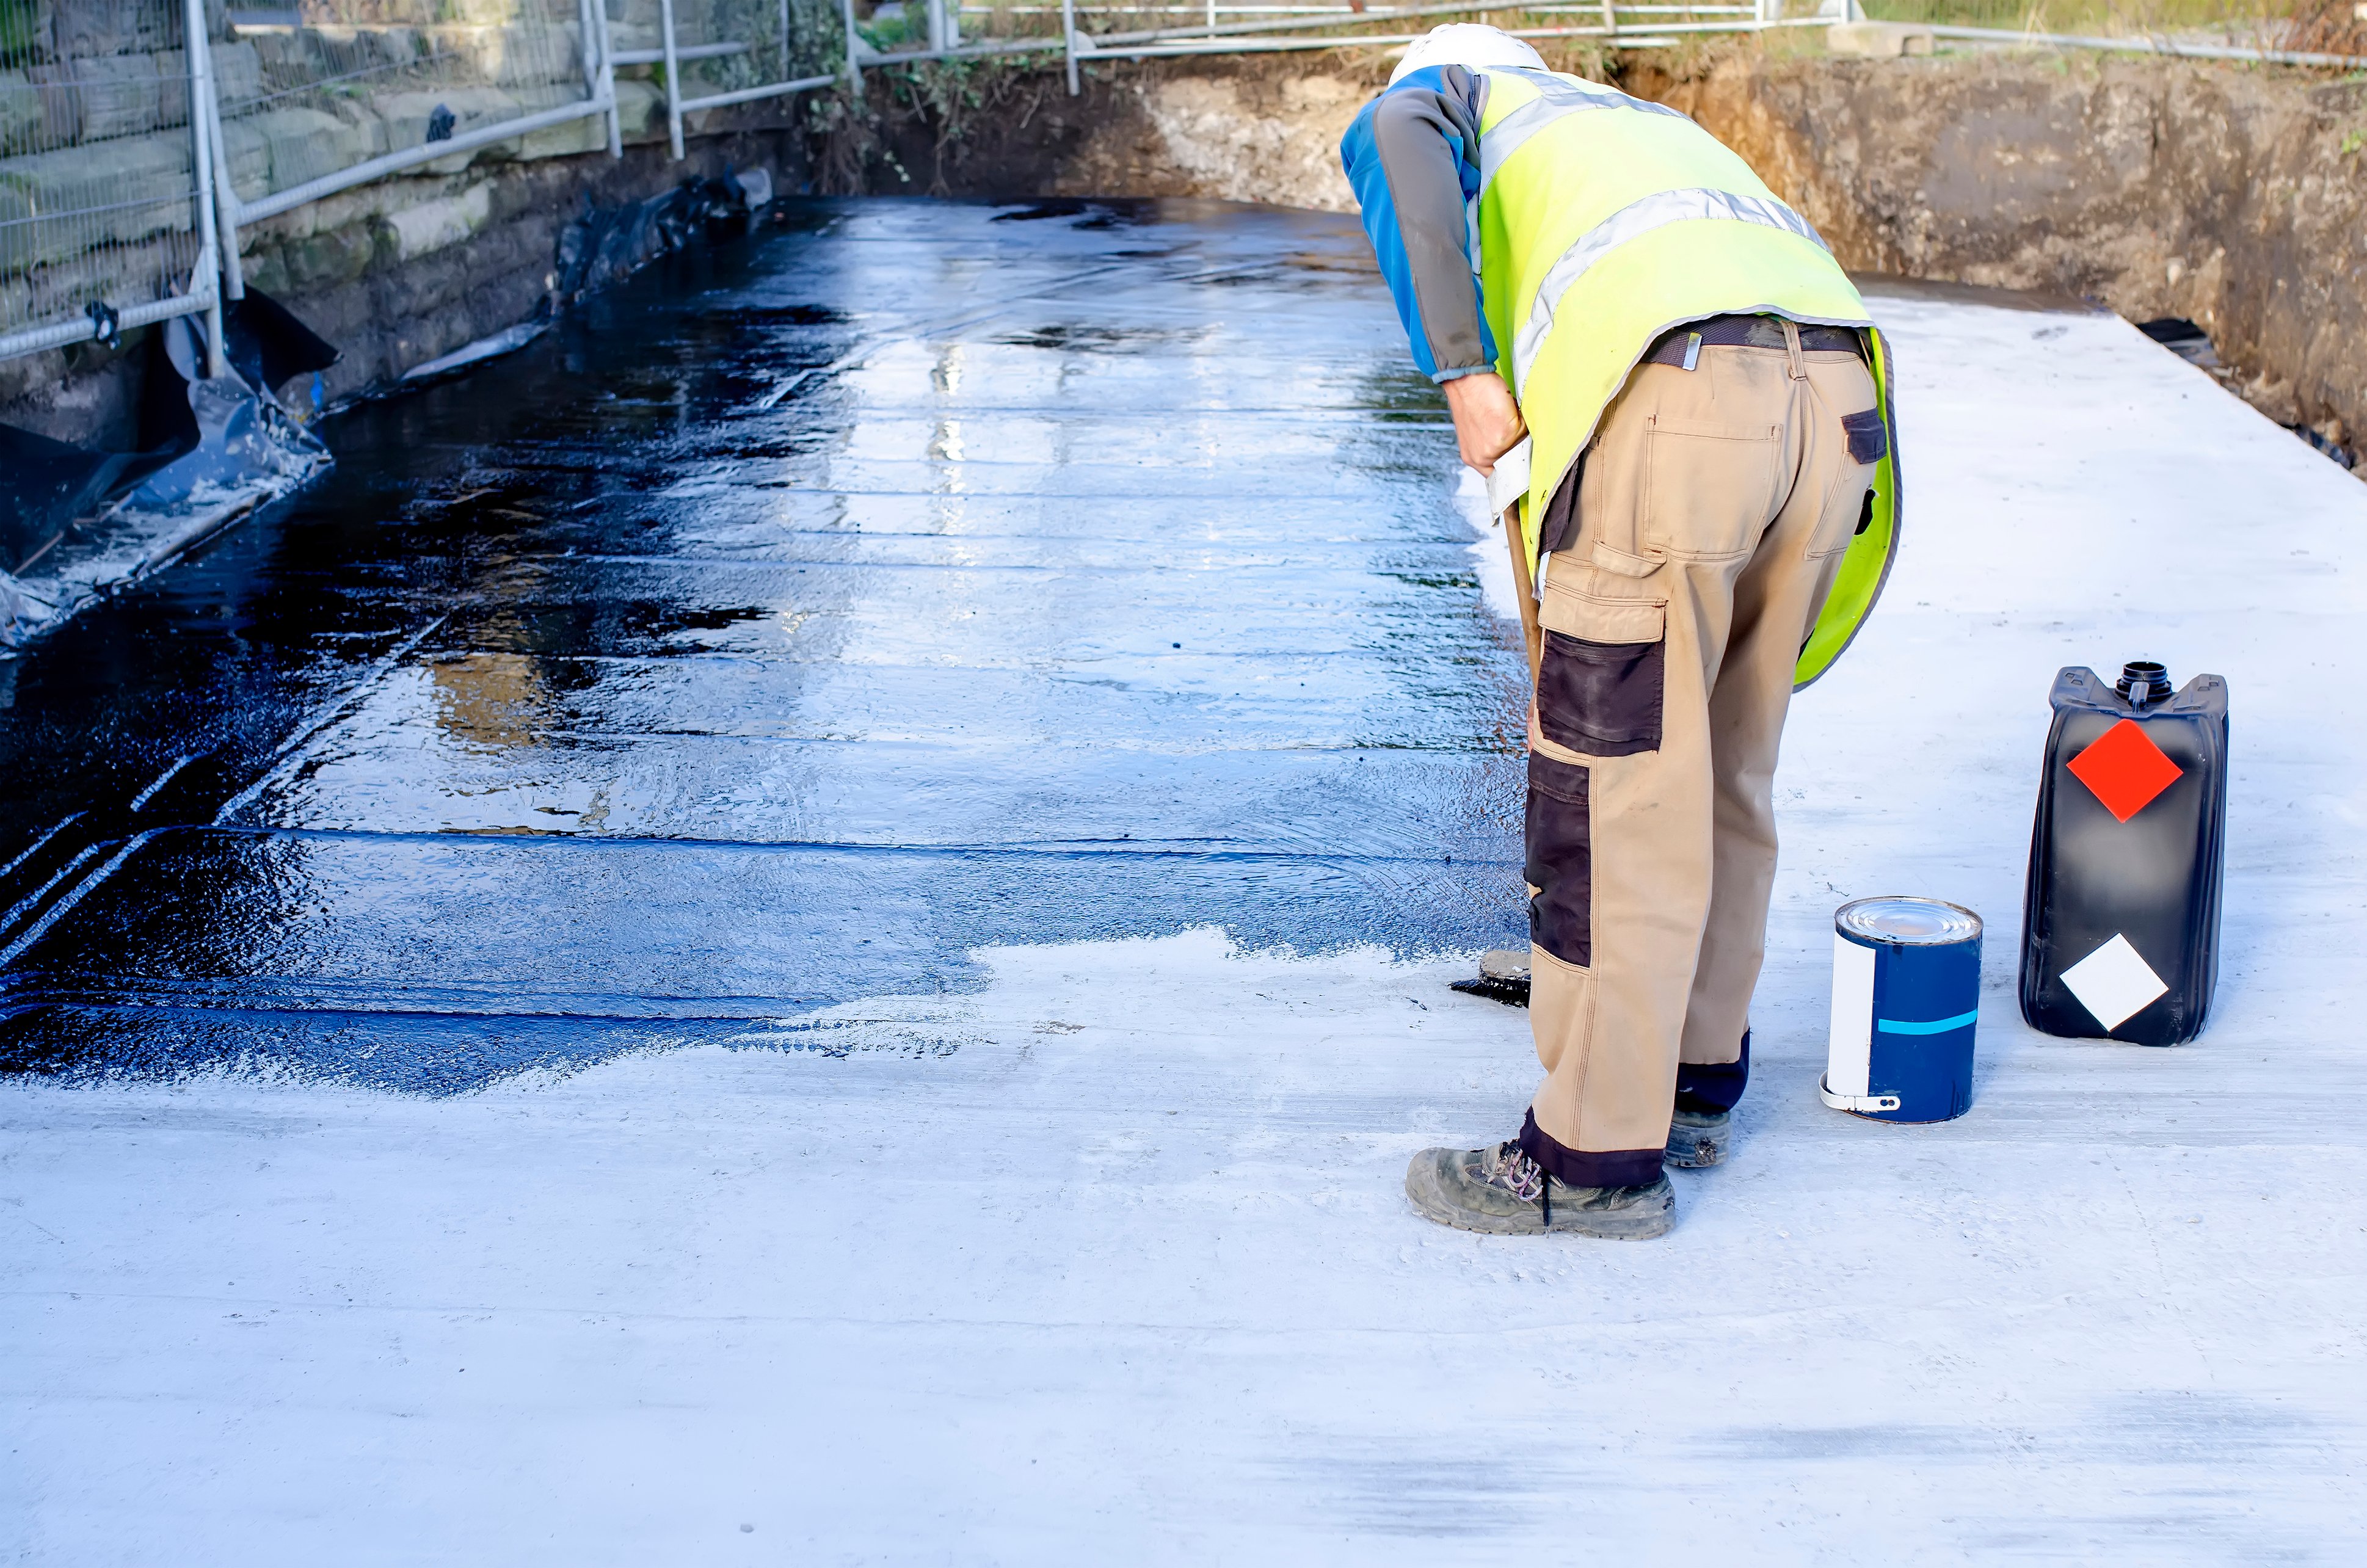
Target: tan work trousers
1714,507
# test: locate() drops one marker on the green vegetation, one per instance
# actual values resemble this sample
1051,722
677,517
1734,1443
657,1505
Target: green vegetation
17,29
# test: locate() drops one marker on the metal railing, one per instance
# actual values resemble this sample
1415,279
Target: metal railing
129,163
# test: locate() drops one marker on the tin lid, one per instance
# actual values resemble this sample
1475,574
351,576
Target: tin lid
1909,922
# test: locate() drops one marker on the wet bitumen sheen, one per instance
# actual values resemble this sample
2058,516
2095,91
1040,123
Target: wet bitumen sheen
787,623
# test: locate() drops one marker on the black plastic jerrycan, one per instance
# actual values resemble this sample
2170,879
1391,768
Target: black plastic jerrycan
2120,919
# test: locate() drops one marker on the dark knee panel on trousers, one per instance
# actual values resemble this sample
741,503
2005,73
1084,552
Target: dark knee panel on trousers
1602,698
1560,849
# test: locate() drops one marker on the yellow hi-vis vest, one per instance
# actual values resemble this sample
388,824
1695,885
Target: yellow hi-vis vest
1603,221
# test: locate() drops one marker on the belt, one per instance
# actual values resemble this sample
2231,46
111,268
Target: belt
1749,331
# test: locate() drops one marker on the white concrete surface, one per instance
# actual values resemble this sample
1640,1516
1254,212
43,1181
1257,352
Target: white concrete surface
1109,1263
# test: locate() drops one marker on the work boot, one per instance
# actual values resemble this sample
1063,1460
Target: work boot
1502,1191
1697,1138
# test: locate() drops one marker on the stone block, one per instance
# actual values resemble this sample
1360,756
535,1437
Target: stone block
89,28
1878,40
305,144
520,55
589,134
246,154
445,221
238,72
122,95
59,100
339,256
172,87
104,192
350,53
406,114
23,126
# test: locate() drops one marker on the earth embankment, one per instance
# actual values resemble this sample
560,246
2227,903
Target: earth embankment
2229,195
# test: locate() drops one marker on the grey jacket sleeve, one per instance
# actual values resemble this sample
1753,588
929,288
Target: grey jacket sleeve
1427,144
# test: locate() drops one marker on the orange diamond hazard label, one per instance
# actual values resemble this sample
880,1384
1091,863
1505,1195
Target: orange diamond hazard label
2126,770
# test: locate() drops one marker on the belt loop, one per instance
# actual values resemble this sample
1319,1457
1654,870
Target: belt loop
1791,347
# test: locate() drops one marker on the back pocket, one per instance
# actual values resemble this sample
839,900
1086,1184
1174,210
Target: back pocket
1709,491
1602,698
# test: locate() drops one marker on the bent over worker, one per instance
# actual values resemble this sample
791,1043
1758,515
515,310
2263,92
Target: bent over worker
1600,284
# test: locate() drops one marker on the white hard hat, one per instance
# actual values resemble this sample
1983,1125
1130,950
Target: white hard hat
1466,43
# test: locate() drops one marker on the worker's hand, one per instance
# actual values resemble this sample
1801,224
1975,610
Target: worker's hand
1487,421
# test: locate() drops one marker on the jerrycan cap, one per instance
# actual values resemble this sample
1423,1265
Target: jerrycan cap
1908,921
2143,683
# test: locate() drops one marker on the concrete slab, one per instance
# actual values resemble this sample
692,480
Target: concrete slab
1102,1253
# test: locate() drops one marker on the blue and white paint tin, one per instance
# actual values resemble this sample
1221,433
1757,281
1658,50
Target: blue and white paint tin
1907,996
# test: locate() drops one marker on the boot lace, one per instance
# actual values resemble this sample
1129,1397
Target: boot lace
1516,1173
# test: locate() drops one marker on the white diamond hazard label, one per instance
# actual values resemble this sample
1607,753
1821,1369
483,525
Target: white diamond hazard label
2113,983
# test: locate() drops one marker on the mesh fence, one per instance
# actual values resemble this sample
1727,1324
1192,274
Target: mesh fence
890,28
310,92
97,182
720,46
726,52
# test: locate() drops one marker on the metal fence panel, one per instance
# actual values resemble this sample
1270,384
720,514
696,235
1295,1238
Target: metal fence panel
103,221
332,92
712,54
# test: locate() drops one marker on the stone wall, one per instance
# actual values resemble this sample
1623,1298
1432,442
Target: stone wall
404,270
93,115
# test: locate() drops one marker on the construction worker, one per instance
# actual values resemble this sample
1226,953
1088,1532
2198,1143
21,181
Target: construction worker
1607,294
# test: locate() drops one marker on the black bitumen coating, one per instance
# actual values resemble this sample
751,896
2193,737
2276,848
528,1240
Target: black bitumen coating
1101,581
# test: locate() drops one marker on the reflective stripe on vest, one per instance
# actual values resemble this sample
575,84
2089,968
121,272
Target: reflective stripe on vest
1654,212
1555,98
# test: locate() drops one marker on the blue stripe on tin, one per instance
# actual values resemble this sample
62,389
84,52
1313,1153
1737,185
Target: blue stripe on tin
1935,1026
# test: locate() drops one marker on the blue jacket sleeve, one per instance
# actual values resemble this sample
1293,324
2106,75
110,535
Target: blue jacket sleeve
1412,158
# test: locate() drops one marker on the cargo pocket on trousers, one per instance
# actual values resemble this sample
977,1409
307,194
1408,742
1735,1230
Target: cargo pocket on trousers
1558,841
1604,699
1709,491
1845,515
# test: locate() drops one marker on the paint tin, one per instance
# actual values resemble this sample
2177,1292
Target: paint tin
1906,998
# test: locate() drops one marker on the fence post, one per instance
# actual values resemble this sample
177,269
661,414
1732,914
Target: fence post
608,79
673,81
1068,42
233,274
591,23
591,43
854,72
196,56
936,25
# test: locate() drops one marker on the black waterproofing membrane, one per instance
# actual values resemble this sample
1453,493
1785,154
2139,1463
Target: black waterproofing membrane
787,623
75,523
